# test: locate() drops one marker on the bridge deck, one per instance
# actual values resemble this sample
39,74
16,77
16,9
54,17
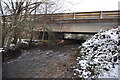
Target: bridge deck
76,22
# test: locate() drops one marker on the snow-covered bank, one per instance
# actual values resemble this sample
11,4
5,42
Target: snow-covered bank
99,56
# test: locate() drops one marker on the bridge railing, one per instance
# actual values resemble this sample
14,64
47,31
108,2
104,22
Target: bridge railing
89,15
80,15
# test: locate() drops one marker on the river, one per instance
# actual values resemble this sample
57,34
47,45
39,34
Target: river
42,63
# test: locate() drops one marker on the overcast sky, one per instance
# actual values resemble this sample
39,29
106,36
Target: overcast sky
87,5
91,5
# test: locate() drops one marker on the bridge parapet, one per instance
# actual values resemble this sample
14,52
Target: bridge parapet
107,15
86,15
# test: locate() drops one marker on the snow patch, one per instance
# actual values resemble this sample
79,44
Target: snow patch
99,55
1,50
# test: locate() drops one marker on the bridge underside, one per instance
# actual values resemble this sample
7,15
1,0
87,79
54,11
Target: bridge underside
83,26
60,30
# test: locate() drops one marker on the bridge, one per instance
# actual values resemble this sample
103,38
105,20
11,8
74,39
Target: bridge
75,23
81,22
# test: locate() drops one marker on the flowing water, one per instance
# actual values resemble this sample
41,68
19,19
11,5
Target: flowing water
42,63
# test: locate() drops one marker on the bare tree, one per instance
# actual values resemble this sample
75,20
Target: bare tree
18,12
33,25
49,7
0,29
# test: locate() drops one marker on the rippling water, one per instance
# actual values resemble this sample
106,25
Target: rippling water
42,63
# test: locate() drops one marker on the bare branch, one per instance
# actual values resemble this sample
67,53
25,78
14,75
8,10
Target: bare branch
7,6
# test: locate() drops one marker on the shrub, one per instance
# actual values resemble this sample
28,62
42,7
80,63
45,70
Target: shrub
99,54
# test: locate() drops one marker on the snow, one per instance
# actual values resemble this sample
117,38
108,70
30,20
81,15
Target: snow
99,56
24,41
1,49
110,74
12,45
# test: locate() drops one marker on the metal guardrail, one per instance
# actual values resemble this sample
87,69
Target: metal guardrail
80,15
86,15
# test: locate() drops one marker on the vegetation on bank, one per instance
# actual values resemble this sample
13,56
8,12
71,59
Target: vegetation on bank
98,56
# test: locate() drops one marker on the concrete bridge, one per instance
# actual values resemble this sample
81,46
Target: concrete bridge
75,23
82,22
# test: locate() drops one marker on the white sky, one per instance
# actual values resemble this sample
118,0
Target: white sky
88,5
91,5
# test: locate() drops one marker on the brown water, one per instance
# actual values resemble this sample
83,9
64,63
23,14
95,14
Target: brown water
42,63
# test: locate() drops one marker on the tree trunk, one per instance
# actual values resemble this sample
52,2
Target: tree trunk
0,35
43,35
15,36
3,28
31,39
8,42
